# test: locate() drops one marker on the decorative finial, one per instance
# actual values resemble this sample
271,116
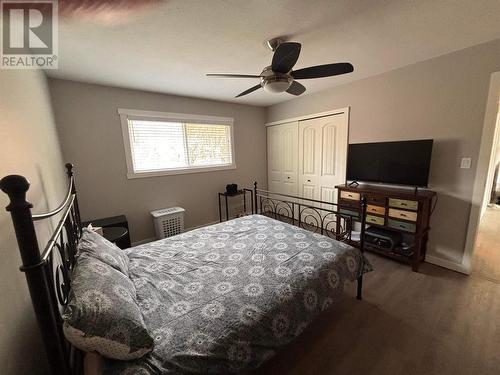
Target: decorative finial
15,187
69,168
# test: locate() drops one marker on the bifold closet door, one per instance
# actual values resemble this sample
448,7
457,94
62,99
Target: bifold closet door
282,144
322,156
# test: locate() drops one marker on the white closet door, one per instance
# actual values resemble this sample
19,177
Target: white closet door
282,159
289,136
322,156
309,144
274,158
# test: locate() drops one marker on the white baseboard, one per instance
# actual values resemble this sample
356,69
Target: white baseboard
151,239
459,267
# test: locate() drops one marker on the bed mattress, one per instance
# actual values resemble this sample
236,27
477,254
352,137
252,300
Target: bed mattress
225,298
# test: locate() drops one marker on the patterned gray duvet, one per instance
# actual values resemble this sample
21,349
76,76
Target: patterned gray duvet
222,299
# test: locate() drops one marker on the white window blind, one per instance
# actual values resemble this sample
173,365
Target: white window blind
157,145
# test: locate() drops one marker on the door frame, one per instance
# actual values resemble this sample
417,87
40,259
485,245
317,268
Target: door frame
490,134
316,115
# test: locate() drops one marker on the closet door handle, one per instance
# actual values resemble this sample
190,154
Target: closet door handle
308,180
288,177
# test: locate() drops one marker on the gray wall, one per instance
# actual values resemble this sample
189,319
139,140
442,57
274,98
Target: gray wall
91,137
28,146
443,98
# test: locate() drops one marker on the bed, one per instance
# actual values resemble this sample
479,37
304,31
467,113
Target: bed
219,299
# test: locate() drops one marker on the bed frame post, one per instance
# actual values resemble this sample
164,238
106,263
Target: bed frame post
255,197
361,245
69,172
33,266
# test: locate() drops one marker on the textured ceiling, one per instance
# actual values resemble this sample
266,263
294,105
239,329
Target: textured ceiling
169,47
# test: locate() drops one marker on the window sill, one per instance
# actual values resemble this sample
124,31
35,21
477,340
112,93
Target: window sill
180,171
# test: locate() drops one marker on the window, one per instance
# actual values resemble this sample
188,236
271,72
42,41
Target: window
158,143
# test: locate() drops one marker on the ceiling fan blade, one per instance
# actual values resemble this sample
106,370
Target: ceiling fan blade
320,71
296,88
251,89
285,57
223,75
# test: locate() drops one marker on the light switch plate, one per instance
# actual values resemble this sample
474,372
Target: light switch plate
465,163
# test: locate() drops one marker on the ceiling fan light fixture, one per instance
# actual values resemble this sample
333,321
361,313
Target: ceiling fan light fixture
277,84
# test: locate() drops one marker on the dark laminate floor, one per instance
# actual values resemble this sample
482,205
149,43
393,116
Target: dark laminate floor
433,322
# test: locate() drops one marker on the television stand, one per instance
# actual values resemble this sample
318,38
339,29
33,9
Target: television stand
353,183
405,211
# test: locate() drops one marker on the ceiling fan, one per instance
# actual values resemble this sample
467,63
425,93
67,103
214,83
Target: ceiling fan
279,76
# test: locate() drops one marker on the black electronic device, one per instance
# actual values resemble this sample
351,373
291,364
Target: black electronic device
402,163
231,189
383,239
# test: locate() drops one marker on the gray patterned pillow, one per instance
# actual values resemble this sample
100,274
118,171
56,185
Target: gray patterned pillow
102,314
98,247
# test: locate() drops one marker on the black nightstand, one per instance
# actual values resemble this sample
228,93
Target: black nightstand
238,192
114,221
115,235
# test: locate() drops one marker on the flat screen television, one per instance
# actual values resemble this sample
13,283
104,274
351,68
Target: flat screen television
401,163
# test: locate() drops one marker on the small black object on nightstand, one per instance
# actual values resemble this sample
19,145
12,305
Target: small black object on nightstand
231,189
115,235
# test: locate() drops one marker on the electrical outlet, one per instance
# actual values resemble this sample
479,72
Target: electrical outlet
465,163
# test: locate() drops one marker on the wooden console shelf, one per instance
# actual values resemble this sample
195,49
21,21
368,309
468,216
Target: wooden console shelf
402,210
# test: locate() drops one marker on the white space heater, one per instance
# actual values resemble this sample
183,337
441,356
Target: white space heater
168,221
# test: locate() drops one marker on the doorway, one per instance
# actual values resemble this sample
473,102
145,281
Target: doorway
486,261
482,252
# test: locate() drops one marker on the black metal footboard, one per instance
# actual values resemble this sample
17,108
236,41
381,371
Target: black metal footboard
326,218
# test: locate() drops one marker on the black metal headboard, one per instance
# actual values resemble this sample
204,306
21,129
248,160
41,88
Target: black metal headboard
48,273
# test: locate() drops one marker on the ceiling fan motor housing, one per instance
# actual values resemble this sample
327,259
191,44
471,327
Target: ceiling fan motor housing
274,43
275,82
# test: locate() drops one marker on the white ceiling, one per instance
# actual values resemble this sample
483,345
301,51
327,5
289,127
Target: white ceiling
169,47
